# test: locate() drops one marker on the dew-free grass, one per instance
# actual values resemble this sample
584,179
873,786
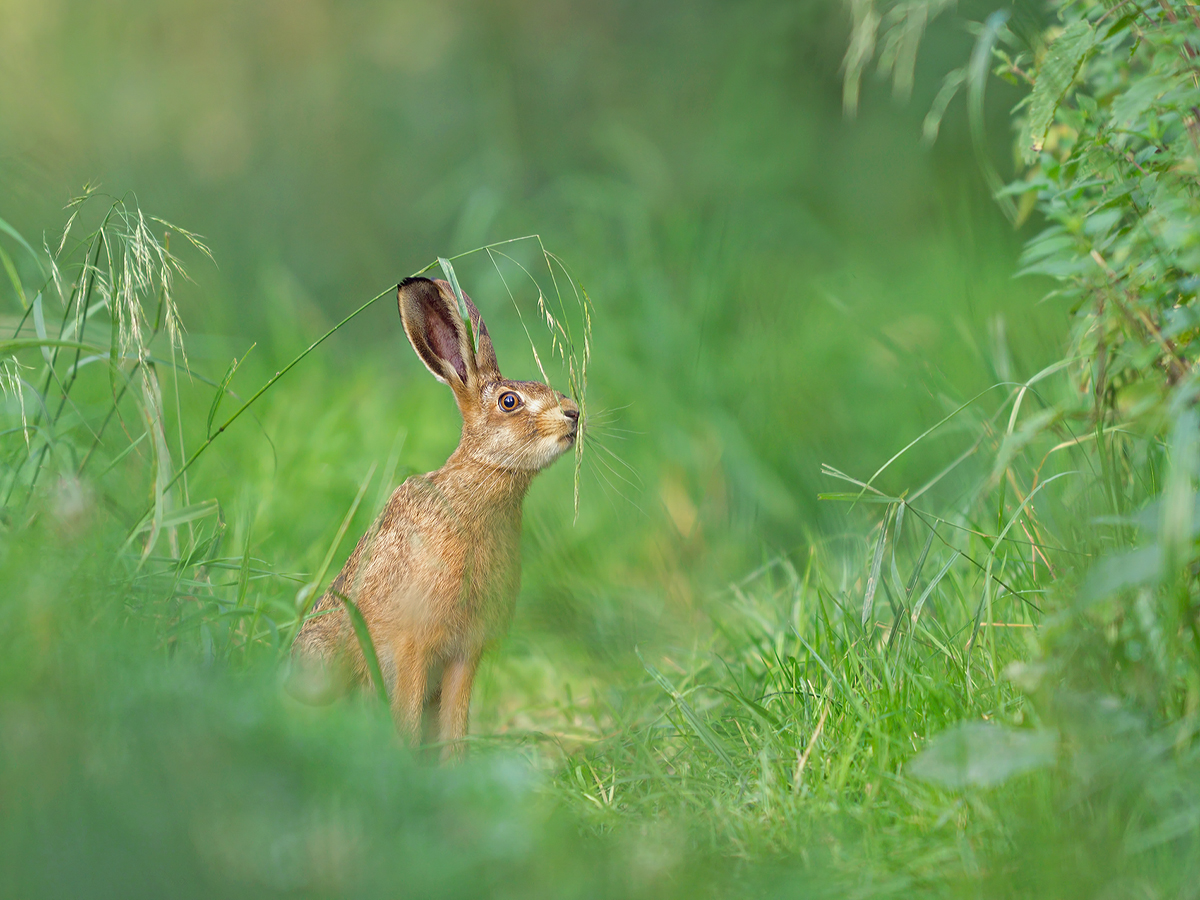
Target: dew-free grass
974,676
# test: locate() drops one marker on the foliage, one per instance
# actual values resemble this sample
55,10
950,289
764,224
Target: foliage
988,685
1069,512
1110,137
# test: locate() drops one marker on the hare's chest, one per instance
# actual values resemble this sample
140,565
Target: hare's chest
491,579
448,565
462,591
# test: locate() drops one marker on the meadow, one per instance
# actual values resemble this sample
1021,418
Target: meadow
876,573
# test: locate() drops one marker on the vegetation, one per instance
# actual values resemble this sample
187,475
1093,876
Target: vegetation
976,671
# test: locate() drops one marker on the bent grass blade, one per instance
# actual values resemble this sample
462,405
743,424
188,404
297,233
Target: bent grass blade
363,634
308,595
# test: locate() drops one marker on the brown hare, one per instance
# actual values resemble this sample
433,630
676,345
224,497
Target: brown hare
437,575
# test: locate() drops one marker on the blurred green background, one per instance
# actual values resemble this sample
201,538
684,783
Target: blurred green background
775,286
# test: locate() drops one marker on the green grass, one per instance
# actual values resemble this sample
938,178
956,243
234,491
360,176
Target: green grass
804,725
874,583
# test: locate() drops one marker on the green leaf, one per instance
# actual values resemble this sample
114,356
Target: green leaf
1055,76
120,456
897,532
1131,104
982,754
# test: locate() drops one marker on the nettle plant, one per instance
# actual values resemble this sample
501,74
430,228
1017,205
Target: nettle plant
1107,156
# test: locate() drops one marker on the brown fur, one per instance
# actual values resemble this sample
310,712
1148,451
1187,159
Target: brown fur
437,576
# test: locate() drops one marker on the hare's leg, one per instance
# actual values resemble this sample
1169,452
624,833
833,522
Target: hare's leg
431,716
408,694
457,679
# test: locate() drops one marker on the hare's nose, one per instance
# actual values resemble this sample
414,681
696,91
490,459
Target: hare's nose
572,414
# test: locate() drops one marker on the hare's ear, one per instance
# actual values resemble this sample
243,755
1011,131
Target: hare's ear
435,330
432,322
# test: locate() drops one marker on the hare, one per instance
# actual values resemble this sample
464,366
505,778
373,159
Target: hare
437,575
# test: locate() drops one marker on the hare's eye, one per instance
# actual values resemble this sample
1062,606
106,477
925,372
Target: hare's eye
509,401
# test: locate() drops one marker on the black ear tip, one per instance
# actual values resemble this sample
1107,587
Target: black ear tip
411,280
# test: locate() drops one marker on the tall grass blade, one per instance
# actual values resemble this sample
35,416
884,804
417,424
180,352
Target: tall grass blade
222,388
463,312
16,236
697,724
897,534
869,483
39,327
270,382
182,516
916,573
243,583
14,278
309,593
932,584
152,411
977,74
363,634
876,565
937,110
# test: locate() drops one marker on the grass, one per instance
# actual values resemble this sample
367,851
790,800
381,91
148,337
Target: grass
812,727
968,669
